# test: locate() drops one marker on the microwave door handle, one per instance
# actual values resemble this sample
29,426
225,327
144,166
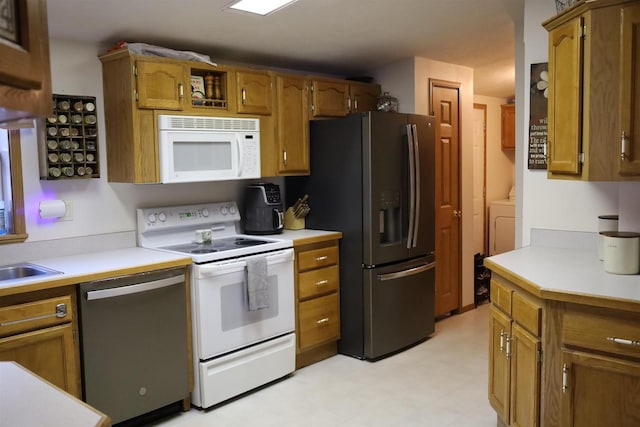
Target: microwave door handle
416,160
412,190
240,156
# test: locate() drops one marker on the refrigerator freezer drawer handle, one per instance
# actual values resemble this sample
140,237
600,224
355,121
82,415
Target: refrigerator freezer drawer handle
134,289
405,273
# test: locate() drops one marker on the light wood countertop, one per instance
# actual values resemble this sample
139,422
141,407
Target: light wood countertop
307,237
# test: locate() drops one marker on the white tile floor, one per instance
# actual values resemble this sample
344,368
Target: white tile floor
441,382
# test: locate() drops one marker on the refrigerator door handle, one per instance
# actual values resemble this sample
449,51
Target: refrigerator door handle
406,273
412,188
416,159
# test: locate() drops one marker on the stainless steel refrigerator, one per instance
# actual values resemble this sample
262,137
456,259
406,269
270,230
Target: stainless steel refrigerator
373,178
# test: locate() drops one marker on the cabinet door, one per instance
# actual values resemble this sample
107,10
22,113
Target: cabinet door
160,85
599,391
630,91
254,92
525,378
330,98
499,373
508,126
293,125
49,353
565,98
363,97
25,77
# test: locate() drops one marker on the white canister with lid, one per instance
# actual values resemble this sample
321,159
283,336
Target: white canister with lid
605,223
621,252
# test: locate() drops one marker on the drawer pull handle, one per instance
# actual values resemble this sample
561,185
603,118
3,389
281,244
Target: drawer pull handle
321,258
61,311
321,321
322,282
623,341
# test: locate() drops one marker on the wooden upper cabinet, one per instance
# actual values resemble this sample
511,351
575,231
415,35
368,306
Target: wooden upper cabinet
508,126
25,76
594,94
565,98
630,91
161,85
363,96
254,92
292,134
330,98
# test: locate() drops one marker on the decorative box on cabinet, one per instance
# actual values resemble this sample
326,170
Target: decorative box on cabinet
39,330
25,76
318,304
508,126
593,92
515,354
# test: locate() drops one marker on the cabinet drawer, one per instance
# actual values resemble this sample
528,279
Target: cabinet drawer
501,296
317,282
319,321
526,313
18,318
317,258
597,331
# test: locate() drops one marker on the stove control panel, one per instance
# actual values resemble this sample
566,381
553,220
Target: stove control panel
185,216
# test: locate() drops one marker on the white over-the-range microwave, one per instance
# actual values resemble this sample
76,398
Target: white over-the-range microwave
200,148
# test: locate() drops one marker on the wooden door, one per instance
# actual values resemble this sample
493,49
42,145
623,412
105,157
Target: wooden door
479,179
330,98
49,353
445,107
630,90
499,380
161,85
293,125
600,391
565,98
254,89
525,378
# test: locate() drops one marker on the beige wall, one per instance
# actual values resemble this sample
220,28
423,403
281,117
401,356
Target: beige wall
408,80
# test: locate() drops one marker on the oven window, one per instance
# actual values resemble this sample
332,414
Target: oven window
234,306
189,156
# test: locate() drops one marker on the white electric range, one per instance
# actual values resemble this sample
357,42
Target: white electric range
235,348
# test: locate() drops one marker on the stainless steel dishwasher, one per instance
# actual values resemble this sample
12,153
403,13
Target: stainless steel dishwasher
134,342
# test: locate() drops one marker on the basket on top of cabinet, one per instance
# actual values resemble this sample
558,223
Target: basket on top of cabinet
69,146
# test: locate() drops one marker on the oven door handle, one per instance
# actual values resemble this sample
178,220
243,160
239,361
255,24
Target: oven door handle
134,289
217,269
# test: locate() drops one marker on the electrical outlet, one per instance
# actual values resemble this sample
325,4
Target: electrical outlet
68,215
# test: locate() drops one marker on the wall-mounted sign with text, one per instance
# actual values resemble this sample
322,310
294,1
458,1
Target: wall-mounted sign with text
538,116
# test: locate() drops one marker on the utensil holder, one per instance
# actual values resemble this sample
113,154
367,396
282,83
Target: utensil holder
291,222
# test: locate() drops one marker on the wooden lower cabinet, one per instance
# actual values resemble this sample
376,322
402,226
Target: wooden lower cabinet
600,367
317,302
514,355
39,331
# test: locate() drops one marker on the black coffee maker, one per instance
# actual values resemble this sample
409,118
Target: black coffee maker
263,211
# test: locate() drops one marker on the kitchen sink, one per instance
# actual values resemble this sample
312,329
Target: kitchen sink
24,270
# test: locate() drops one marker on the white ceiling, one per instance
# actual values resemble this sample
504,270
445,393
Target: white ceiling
342,37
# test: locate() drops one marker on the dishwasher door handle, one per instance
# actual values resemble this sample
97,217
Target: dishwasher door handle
134,289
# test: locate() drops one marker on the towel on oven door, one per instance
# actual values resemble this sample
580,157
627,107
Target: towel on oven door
257,283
